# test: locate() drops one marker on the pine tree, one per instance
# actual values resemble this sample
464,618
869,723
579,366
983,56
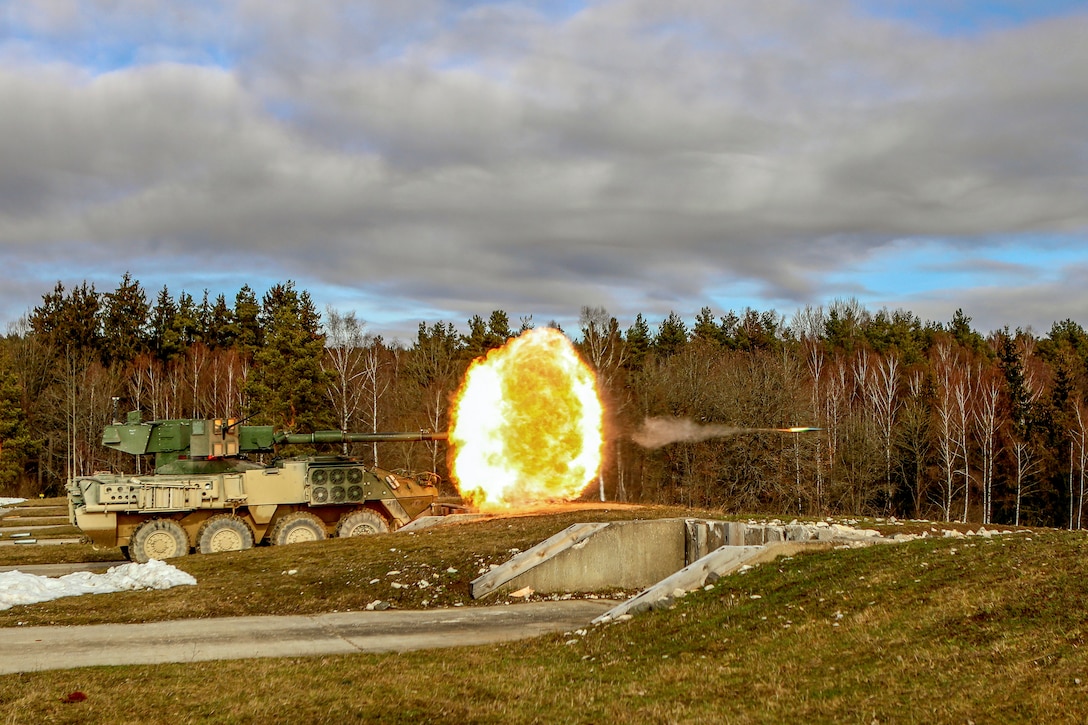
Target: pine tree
162,333
637,343
69,322
845,325
219,327
960,329
498,329
484,336
474,344
706,328
124,323
672,334
287,386
187,321
896,332
17,447
1022,393
245,330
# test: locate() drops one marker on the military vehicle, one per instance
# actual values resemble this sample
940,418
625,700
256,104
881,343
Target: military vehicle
206,494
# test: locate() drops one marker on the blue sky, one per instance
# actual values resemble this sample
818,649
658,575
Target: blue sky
428,160
970,17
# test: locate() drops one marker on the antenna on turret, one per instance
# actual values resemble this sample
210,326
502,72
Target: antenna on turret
228,426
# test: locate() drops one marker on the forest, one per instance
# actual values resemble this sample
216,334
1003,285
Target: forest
917,419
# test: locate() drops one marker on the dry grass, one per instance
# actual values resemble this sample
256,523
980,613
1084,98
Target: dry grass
981,630
335,575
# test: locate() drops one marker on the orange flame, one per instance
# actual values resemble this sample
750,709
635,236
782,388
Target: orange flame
526,424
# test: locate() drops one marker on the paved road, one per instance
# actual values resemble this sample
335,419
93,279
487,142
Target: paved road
29,649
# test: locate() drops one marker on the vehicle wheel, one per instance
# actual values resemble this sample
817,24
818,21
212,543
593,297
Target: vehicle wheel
361,523
224,533
158,539
297,528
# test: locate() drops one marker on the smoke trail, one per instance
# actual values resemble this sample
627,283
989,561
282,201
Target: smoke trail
657,432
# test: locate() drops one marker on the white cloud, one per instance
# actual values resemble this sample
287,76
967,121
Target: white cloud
468,158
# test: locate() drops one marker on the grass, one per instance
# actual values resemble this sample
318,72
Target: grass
334,575
936,630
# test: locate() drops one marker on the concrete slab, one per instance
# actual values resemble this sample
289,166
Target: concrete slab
31,649
703,537
41,542
723,561
426,522
638,554
572,536
9,530
720,561
594,557
799,532
23,515
624,555
753,536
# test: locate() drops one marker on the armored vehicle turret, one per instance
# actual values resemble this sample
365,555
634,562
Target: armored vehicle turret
206,494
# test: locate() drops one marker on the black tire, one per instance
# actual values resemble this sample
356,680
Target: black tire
297,528
158,539
361,523
223,533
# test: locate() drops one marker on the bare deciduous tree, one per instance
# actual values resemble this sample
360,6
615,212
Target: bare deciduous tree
883,395
988,422
343,361
1079,436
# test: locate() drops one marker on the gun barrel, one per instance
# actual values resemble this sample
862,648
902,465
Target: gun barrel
335,436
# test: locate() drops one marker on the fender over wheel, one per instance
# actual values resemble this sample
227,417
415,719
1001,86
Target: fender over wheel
361,523
297,528
224,533
158,539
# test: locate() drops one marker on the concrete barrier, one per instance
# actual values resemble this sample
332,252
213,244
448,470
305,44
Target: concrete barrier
426,522
714,565
593,557
41,542
721,561
659,556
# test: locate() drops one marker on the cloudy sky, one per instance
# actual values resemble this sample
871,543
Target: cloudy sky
422,160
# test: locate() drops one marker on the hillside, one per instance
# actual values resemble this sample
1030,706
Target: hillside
934,630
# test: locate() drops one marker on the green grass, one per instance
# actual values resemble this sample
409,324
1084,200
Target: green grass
334,575
937,630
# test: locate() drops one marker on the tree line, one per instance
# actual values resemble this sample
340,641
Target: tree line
918,419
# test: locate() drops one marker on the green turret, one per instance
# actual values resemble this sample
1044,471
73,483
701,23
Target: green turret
194,445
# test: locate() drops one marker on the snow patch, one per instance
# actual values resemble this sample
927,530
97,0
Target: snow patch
17,588
10,501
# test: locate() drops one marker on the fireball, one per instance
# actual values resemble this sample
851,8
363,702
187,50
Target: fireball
526,424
